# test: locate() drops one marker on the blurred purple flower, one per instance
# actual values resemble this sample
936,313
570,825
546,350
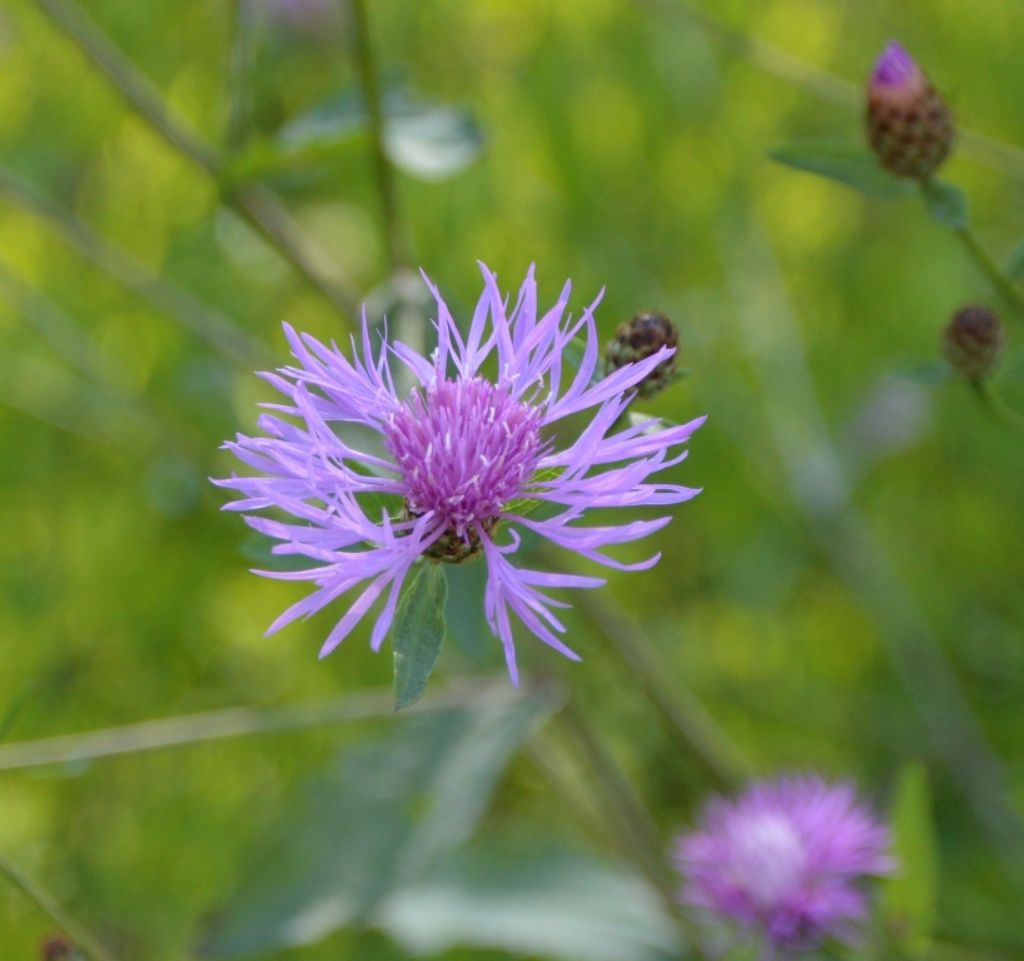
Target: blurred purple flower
785,860
460,455
895,67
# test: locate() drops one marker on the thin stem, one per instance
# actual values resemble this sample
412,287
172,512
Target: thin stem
386,186
988,267
42,899
232,722
642,843
698,734
216,328
263,210
258,205
239,91
996,408
141,95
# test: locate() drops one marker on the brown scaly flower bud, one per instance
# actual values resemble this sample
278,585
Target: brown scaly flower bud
644,335
57,948
972,341
909,125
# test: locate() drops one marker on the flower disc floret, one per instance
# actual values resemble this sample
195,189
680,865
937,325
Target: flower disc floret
464,449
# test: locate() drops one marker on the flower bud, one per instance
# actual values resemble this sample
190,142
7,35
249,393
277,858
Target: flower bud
57,948
644,335
972,341
909,125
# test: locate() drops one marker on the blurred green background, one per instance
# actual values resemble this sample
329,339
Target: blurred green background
856,550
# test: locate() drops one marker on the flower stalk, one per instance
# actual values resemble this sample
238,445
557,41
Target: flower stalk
45,902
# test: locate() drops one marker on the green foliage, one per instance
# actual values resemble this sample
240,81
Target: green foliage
383,815
532,899
909,899
431,142
845,162
418,632
946,203
1015,263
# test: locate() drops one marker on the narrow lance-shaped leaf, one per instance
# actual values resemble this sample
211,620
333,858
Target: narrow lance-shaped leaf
1015,263
418,633
946,204
909,897
845,162
386,814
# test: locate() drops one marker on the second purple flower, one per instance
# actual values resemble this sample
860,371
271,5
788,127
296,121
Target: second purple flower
461,453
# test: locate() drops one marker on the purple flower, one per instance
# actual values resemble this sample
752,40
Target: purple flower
895,68
785,860
459,461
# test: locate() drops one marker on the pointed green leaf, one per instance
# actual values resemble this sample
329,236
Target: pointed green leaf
533,898
431,142
947,204
927,372
418,633
467,623
908,901
1015,263
846,162
387,813
573,353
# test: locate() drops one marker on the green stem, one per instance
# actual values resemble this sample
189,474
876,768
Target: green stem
642,841
42,899
239,92
386,186
697,733
232,722
217,329
992,273
996,407
259,206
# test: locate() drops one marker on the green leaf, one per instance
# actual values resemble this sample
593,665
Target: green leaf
388,812
527,505
929,373
418,633
650,422
573,353
846,162
429,141
947,204
464,613
909,898
532,898
1015,263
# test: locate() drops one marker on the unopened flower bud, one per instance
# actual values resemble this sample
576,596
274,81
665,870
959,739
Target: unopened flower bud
57,948
644,335
909,125
973,340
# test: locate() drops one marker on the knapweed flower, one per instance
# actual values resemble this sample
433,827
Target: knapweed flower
645,334
376,478
909,125
973,341
786,861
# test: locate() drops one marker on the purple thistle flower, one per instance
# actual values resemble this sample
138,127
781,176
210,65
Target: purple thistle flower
785,860
458,455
